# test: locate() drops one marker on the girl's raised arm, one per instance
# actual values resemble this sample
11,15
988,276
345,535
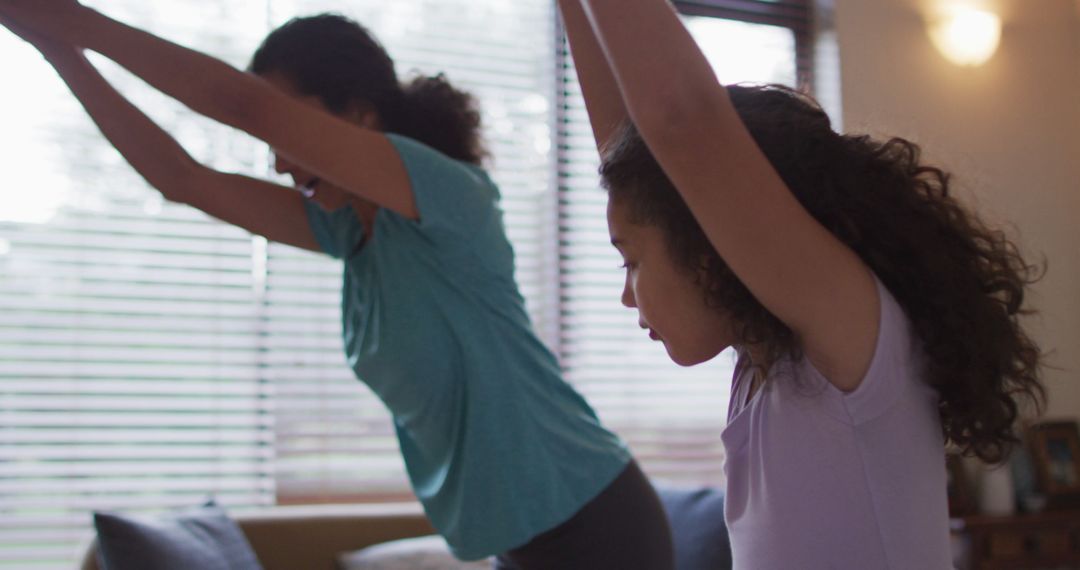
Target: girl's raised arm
602,98
359,160
260,207
797,269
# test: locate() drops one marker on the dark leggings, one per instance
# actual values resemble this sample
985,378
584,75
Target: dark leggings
624,527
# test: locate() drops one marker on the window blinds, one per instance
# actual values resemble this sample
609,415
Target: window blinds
128,330
151,356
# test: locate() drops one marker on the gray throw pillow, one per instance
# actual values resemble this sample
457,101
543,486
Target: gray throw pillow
203,538
697,527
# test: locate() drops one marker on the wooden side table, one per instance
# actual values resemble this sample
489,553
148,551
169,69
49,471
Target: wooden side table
1041,541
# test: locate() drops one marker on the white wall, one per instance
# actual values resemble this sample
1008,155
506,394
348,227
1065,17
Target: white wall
1009,131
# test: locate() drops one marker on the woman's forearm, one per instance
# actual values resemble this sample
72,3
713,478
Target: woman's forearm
205,84
152,152
259,207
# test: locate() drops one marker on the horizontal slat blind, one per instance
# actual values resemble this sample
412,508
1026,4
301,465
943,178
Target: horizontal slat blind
334,438
129,333
150,356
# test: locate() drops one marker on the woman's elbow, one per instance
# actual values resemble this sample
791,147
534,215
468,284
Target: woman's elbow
180,181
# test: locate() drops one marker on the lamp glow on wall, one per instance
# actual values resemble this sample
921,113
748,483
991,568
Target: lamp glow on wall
966,35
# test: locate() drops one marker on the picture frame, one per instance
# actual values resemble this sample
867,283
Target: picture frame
1055,450
961,493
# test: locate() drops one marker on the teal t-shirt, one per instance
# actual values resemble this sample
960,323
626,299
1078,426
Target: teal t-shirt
497,446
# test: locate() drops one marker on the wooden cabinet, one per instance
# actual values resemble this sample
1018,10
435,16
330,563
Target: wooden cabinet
1042,541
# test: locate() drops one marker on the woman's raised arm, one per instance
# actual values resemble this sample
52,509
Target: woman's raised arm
361,161
602,98
272,211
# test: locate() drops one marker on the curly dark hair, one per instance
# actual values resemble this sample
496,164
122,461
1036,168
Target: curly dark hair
960,282
339,61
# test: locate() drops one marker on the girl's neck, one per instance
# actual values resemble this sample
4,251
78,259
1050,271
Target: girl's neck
758,355
753,360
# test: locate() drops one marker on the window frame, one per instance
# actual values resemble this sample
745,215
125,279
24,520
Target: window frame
796,15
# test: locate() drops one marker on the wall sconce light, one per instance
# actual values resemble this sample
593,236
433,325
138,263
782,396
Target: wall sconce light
965,35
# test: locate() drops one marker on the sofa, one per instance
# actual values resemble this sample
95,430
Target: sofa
314,537
311,537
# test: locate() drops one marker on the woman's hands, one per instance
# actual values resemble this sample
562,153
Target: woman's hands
59,20
53,49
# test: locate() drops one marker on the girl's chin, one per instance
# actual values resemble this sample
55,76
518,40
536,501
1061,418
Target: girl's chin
680,359
686,359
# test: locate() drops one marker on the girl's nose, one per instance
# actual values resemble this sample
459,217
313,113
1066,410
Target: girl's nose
628,295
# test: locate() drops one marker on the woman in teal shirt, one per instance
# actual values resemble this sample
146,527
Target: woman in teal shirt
505,456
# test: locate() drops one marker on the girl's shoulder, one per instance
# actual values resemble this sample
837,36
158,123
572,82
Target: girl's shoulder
897,370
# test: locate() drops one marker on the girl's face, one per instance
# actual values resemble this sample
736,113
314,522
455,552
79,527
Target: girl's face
326,195
670,303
